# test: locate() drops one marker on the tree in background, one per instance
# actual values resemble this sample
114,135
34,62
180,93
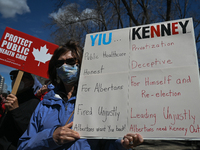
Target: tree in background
74,21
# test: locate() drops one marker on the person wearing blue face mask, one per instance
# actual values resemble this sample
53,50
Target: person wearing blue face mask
50,125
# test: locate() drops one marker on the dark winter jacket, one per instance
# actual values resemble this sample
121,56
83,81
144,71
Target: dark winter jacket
15,122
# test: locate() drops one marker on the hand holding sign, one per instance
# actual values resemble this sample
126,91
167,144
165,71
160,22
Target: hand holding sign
11,101
63,135
131,140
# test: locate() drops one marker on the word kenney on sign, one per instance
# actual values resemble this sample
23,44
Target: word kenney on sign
25,52
160,30
141,79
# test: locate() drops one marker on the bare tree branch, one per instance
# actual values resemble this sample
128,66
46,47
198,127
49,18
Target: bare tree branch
169,3
116,4
130,13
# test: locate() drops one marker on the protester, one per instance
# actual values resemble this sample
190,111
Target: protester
49,128
19,109
44,90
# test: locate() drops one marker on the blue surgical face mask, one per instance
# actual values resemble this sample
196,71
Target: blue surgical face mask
68,73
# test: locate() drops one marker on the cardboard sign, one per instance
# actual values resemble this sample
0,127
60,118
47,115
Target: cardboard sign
142,79
25,52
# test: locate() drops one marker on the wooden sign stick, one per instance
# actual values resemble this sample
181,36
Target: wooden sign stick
17,82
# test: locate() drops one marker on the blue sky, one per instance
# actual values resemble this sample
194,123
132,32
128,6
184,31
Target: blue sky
28,16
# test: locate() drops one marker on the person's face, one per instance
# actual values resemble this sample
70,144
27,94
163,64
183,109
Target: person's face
24,84
44,89
39,92
67,68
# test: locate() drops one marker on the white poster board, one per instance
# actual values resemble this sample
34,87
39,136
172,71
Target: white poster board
143,80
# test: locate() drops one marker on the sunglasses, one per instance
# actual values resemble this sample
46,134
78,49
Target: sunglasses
71,61
14,76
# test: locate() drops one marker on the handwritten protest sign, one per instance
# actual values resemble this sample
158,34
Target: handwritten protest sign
25,52
141,79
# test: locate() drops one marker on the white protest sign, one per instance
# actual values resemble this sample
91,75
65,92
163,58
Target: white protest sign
142,79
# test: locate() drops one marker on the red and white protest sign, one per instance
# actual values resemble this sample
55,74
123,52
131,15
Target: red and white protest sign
25,52
145,79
